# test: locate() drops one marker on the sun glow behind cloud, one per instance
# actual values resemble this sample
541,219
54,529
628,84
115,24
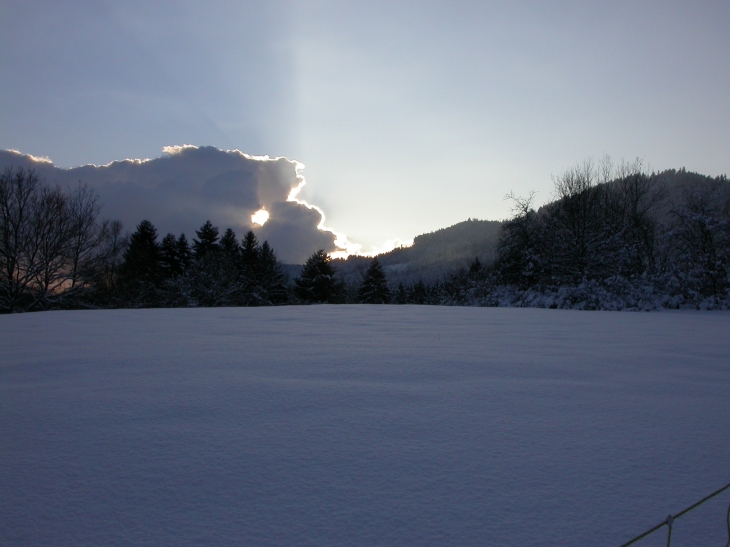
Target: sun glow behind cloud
260,217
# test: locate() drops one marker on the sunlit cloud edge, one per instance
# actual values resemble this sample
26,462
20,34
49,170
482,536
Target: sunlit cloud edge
38,159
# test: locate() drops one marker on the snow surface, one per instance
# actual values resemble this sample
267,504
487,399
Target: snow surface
362,425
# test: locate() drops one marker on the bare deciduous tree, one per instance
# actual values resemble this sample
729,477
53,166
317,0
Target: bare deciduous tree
18,204
87,236
49,241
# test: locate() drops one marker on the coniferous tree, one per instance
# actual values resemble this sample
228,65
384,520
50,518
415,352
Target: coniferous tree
171,293
141,272
401,296
249,266
419,293
184,252
215,277
169,257
207,240
374,288
271,275
142,256
229,244
317,283
466,285
249,250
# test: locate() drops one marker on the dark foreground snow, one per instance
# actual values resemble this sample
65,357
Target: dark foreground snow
362,425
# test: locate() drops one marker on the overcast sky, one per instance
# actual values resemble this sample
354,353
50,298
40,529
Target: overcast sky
408,116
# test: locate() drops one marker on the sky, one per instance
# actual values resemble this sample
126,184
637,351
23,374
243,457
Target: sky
407,117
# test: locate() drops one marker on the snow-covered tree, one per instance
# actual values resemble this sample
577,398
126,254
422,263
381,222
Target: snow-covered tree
700,247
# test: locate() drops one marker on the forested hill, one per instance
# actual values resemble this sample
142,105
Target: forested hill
433,254
464,240
679,186
670,190
437,253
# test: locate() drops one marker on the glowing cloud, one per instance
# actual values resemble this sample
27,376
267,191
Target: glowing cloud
177,149
37,159
387,246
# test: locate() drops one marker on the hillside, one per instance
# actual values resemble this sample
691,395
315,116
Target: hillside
433,254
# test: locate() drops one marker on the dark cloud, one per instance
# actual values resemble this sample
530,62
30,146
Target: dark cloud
188,185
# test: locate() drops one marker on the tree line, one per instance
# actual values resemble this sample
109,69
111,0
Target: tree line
612,238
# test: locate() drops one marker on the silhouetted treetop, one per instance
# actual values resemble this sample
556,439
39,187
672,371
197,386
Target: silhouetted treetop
207,240
374,288
317,283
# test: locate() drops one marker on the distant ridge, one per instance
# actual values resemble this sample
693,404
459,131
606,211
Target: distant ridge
432,254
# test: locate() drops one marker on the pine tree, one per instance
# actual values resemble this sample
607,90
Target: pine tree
184,253
374,288
250,250
419,293
272,277
207,240
142,256
401,296
254,292
140,274
169,259
230,245
317,283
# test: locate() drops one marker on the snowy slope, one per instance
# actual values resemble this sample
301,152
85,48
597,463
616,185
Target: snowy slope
362,425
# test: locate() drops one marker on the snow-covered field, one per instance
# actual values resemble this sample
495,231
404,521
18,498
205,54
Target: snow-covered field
362,425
